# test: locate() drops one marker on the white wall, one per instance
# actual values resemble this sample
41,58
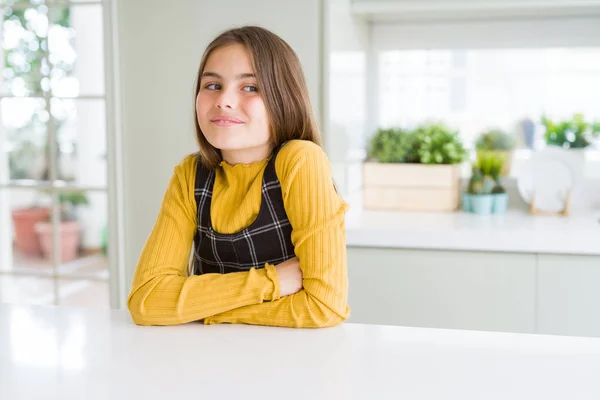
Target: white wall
345,105
90,123
160,46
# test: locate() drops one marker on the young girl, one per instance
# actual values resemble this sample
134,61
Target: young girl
257,204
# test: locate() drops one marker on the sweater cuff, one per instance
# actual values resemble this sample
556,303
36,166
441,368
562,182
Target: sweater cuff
272,275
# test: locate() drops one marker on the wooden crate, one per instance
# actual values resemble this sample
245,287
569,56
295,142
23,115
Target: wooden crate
417,187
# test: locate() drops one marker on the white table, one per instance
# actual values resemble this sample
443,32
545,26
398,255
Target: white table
66,353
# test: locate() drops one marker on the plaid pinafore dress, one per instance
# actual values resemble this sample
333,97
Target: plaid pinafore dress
266,240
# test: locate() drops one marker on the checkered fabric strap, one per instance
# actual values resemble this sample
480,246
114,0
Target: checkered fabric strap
266,240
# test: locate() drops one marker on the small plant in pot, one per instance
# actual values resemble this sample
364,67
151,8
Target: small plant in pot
70,230
574,133
499,142
500,197
569,139
485,194
478,198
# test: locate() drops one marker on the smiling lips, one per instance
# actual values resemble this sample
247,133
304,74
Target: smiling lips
225,121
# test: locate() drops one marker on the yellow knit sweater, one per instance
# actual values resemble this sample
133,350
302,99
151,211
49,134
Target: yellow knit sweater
162,294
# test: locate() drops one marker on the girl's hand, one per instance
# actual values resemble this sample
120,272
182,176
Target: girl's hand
290,276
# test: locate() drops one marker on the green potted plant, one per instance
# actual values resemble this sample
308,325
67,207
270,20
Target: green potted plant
70,230
569,139
413,170
485,193
478,199
497,141
573,133
499,195
436,144
389,145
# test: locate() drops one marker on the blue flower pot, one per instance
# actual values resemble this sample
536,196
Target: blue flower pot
466,202
482,204
500,203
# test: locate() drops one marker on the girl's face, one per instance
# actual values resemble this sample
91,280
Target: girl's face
231,112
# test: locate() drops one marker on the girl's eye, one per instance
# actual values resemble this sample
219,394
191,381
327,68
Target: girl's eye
213,86
250,88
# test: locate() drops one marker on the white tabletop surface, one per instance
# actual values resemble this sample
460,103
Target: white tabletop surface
516,231
66,353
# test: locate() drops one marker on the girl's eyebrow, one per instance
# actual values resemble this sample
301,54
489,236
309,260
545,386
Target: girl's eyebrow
240,76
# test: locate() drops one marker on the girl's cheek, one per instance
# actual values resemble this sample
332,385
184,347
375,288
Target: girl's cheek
202,103
256,106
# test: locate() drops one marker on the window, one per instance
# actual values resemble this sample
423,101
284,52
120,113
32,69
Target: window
476,89
53,154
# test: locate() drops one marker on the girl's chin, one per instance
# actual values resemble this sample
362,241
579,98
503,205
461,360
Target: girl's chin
226,140
233,141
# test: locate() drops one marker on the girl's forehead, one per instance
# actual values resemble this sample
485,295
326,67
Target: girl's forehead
232,58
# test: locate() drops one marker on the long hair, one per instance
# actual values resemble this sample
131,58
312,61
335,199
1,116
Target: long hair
281,85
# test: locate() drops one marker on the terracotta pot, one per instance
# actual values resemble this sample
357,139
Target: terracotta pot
24,221
69,239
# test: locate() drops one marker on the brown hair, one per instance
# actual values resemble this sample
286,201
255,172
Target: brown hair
281,85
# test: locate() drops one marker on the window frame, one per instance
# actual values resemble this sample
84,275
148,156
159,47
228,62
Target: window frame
113,188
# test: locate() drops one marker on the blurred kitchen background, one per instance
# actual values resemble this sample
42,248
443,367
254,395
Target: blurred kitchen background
465,134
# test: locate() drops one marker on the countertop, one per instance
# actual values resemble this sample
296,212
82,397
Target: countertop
68,353
515,231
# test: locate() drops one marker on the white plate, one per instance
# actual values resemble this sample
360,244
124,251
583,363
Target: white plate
550,178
